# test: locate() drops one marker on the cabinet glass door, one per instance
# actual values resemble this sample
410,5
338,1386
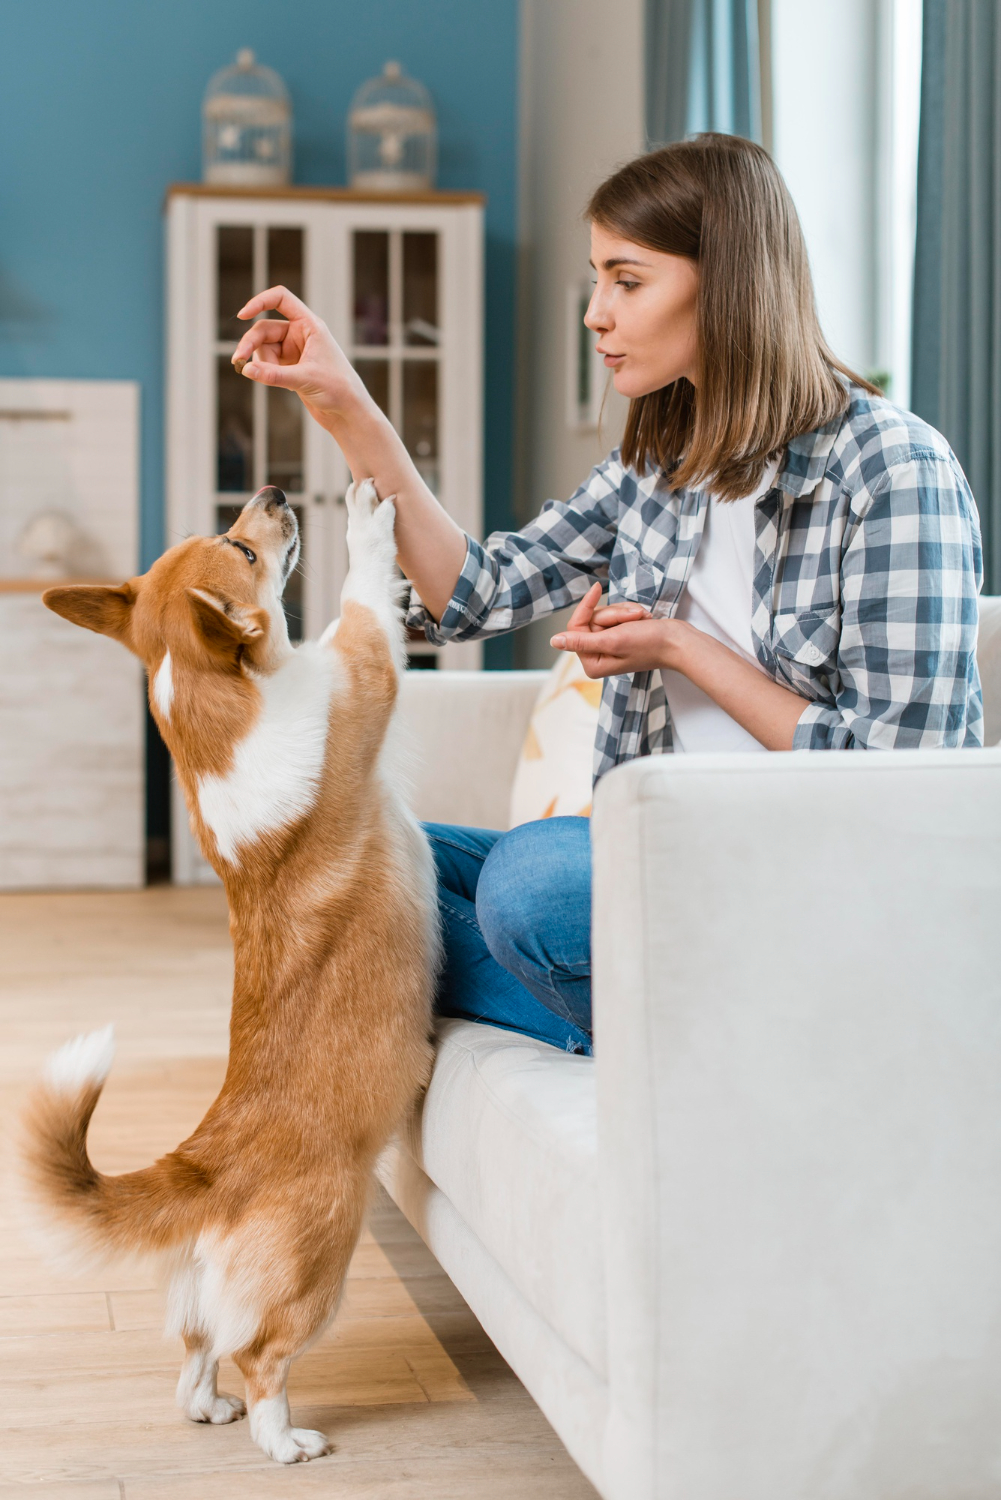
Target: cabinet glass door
259,432
396,344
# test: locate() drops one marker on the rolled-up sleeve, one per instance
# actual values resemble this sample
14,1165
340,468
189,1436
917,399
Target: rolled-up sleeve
518,576
906,673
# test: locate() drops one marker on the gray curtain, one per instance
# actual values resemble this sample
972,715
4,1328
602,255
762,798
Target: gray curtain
956,365
702,69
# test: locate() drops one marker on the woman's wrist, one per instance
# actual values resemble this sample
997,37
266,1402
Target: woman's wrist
677,640
355,409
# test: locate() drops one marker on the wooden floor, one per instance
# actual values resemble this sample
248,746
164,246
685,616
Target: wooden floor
416,1398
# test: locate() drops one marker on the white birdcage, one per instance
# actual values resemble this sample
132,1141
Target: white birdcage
247,126
392,135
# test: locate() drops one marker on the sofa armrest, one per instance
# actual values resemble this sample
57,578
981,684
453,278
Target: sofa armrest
989,663
798,1054
463,733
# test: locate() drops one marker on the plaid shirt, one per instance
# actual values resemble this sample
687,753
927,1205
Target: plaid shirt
867,567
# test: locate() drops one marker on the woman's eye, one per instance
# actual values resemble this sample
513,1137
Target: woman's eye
627,284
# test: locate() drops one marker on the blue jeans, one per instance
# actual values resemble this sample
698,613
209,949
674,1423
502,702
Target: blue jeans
516,920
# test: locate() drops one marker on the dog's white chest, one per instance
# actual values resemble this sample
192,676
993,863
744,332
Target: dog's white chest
276,769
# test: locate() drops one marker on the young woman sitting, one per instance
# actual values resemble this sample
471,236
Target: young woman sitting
791,562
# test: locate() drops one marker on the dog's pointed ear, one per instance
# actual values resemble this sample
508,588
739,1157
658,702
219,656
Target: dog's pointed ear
226,629
96,606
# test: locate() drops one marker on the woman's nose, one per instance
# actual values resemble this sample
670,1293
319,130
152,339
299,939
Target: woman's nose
596,318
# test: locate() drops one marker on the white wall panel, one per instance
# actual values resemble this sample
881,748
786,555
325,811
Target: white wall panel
72,777
825,79
582,114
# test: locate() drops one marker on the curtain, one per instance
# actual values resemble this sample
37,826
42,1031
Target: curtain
956,341
702,69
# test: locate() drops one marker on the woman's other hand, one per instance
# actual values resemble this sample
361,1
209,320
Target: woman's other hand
625,638
613,638
299,353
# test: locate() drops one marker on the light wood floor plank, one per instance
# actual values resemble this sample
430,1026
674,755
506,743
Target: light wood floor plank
417,1400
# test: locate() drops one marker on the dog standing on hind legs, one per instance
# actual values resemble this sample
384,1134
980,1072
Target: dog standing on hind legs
333,917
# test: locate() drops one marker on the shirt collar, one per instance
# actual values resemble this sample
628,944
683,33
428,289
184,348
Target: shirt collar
805,460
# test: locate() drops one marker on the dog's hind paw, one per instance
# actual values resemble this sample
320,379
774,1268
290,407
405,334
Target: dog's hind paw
216,1409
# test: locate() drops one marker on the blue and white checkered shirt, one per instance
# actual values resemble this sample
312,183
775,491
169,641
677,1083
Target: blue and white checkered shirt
867,567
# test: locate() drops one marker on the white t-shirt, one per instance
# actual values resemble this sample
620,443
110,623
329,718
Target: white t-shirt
717,599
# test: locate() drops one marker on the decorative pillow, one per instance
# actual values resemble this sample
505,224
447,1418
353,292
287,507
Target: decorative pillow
553,779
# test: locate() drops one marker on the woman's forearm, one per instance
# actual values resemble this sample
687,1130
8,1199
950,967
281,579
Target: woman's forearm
764,708
430,547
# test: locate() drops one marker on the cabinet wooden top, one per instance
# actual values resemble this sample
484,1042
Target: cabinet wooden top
307,194
39,585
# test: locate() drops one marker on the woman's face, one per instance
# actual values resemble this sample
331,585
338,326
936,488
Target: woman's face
643,307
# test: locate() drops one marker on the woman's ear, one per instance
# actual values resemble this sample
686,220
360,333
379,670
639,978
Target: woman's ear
227,630
95,606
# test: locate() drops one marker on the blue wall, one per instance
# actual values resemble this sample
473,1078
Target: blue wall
100,109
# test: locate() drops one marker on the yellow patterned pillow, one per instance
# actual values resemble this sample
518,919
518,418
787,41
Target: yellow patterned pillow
553,779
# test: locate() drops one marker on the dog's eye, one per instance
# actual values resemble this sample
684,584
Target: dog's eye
240,547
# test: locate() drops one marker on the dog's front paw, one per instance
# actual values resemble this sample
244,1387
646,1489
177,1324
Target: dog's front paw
374,579
369,519
297,1445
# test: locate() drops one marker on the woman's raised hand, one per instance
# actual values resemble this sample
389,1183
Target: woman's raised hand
299,353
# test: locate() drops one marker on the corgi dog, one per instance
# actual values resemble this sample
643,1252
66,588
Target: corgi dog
333,917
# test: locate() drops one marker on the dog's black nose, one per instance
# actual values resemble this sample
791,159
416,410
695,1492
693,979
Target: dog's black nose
271,495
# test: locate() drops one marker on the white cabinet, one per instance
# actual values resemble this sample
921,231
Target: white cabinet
400,284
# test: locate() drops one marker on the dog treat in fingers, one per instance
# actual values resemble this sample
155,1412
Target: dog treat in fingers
238,364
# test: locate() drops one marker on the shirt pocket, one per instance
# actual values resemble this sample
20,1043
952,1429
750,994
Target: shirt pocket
634,576
806,647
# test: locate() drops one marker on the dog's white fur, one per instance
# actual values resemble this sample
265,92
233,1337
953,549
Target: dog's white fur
85,1062
276,769
163,686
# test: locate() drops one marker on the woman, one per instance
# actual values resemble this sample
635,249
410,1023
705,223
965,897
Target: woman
791,562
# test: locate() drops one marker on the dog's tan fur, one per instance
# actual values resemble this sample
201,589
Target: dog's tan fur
331,913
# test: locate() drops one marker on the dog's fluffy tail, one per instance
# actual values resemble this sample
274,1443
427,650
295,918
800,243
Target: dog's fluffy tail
136,1212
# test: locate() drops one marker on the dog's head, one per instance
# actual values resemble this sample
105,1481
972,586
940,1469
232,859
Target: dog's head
212,603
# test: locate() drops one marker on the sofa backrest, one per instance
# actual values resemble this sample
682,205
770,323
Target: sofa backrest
989,662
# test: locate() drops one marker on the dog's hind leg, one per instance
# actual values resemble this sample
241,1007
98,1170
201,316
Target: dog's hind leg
197,1395
265,1371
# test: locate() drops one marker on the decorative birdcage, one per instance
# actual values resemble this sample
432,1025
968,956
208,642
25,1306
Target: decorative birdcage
247,126
392,135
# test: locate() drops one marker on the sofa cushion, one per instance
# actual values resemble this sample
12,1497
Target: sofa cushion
553,779
508,1131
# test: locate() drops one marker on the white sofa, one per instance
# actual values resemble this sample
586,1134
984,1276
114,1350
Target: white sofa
752,1250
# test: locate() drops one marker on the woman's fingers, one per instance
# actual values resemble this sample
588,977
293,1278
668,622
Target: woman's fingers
260,336
581,617
595,661
266,367
277,299
618,614
582,642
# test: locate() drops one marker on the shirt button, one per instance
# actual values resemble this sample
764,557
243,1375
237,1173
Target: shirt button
812,655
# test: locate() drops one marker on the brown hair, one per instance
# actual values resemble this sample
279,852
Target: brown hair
766,373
